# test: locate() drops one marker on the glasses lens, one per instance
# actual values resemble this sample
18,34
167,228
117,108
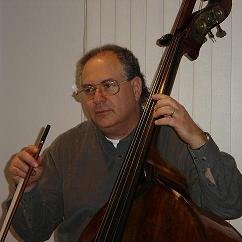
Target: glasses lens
89,90
109,87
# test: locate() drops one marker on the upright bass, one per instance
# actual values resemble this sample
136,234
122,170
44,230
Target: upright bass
149,201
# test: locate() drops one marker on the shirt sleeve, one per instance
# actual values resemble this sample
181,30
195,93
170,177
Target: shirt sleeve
219,179
213,179
41,209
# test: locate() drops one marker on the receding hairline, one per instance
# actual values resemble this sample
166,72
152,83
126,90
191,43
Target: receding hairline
103,53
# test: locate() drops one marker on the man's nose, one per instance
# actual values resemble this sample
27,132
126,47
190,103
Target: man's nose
99,96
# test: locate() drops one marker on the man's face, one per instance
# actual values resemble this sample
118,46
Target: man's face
115,115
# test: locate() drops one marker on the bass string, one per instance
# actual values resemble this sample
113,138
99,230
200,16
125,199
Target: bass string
131,165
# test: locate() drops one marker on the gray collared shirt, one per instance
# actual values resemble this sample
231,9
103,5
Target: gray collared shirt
81,167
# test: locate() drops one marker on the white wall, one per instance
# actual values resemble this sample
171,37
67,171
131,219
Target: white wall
40,42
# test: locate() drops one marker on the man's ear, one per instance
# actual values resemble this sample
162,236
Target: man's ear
136,83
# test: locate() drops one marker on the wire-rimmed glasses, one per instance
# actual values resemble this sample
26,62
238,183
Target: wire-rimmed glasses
107,87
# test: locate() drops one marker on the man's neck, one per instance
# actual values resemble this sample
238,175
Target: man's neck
122,130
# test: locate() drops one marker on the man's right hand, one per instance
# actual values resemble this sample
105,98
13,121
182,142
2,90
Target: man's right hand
20,163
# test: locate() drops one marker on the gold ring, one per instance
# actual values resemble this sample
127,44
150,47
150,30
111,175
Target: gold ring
173,112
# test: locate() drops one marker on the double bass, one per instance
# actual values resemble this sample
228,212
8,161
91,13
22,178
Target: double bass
149,201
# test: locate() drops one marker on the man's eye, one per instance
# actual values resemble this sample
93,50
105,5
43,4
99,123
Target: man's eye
89,89
108,84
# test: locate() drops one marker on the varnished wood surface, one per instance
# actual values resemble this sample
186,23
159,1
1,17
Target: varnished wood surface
169,218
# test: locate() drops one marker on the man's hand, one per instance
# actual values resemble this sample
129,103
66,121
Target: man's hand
20,163
169,112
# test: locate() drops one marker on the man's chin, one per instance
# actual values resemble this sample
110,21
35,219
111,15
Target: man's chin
104,125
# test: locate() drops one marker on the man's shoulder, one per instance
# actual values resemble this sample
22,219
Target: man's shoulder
83,127
76,134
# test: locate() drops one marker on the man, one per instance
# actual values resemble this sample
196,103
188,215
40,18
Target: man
75,176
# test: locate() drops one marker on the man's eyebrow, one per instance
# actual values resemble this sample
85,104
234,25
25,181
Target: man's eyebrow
86,84
89,84
109,79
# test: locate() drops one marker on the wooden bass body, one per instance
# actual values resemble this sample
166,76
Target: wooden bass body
160,213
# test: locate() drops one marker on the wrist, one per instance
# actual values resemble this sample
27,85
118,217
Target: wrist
200,141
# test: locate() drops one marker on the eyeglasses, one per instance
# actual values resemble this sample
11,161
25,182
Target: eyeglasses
107,87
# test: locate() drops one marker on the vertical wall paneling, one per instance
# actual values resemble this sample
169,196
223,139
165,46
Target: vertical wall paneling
186,85
236,82
138,30
170,11
154,30
108,21
221,90
236,90
93,22
202,87
123,22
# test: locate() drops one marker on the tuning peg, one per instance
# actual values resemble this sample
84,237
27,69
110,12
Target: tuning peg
211,36
220,32
165,40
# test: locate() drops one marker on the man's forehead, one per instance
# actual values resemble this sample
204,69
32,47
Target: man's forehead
103,66
105,56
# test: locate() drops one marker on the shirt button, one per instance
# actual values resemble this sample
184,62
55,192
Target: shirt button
204,158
